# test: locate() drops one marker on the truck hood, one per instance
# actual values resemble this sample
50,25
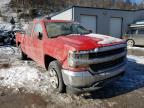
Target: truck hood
89,41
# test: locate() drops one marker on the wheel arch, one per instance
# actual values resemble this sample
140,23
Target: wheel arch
47,60
18,43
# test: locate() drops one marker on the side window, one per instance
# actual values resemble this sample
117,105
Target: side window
38,28
132,31
141,31
29,29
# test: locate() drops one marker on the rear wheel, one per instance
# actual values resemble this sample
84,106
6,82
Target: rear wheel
22,55
130,43
55,76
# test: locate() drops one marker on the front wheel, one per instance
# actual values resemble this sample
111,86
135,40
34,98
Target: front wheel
130,43
55,76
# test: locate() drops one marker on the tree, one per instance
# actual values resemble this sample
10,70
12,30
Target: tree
52,6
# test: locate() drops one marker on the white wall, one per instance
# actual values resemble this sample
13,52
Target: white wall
88,22
116,27
66,15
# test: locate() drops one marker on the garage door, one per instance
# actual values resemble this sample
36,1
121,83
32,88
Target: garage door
115,27
88,22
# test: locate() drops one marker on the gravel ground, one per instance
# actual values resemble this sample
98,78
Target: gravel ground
23,84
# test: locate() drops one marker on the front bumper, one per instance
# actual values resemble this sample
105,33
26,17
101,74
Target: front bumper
86,80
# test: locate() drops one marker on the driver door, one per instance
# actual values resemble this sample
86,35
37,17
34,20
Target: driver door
38,43
28,40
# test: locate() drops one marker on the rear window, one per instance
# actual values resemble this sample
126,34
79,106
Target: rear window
29,29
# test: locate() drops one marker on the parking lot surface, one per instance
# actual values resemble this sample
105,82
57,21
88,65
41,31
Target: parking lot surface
23,84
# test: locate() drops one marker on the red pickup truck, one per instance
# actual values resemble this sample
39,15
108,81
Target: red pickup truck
74,57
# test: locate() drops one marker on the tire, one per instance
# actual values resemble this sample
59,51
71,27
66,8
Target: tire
22,55
56,80
130,43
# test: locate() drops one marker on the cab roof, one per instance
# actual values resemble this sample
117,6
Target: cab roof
43,19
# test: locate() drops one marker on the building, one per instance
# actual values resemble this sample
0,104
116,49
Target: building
112,22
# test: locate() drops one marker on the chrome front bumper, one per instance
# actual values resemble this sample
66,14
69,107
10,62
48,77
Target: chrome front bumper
86,79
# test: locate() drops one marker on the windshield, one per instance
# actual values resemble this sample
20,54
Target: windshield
55,29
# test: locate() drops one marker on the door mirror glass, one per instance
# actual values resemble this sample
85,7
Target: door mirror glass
40,35
90,31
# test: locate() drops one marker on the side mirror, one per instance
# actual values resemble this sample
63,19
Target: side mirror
40,36
90,31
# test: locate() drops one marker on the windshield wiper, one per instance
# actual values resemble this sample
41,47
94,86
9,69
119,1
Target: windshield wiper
60,35
85,33
64,34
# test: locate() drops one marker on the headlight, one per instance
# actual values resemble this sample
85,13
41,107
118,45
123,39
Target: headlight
74,58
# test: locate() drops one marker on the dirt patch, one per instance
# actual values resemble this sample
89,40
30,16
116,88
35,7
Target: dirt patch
4,63
22,101
10,98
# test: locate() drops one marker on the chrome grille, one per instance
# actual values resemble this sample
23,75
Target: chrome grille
106,65
104,53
